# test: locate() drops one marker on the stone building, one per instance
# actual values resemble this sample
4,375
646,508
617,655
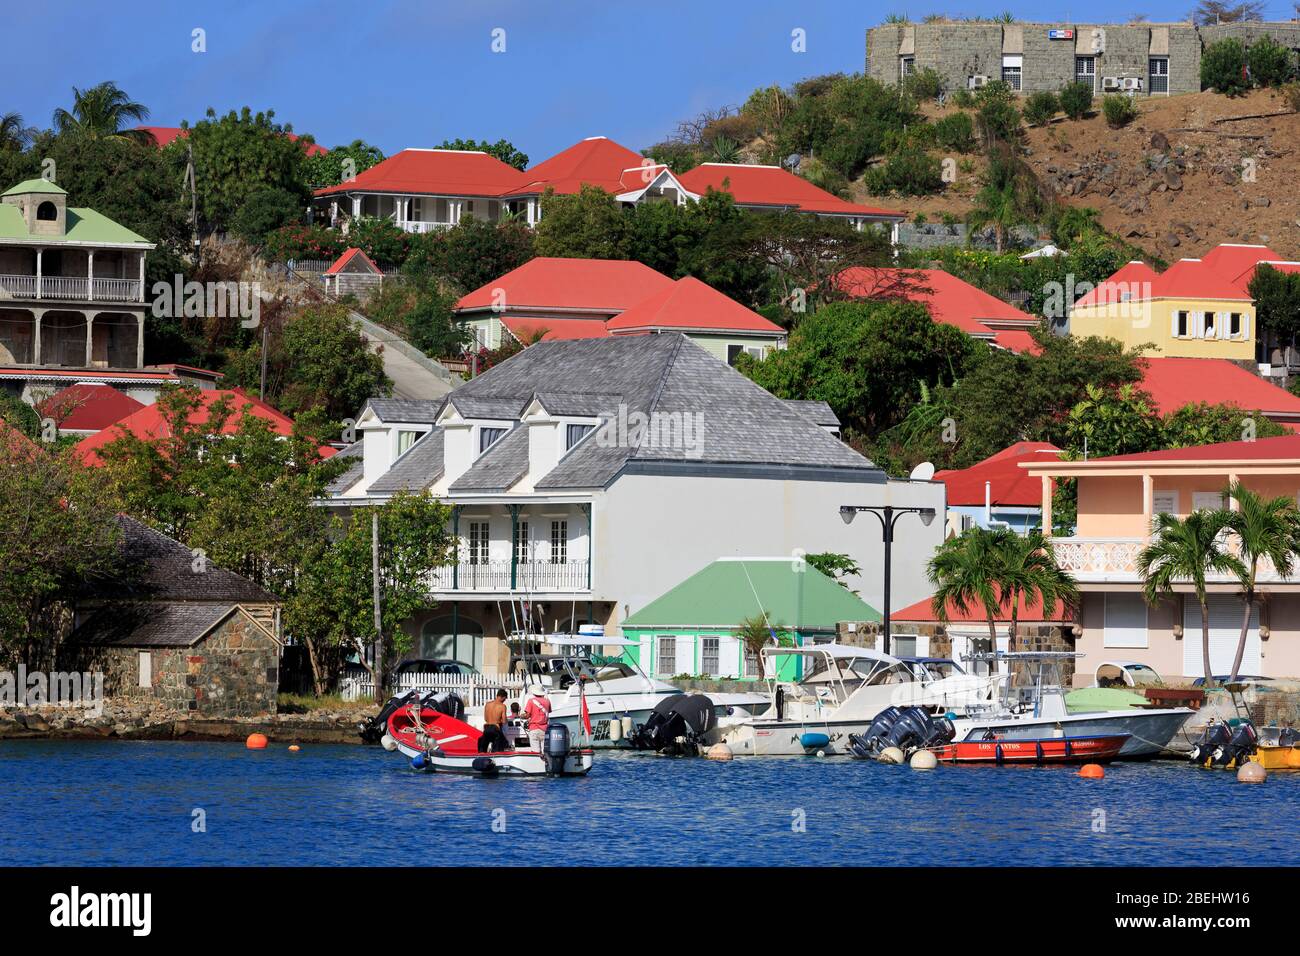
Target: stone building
203,641
1154,59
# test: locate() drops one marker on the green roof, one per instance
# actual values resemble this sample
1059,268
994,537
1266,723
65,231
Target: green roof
84,226
792,593
35,186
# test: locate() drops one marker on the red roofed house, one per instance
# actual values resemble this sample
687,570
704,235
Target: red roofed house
1118,497
164,135
148,422
427,189
1174,382
84,409
916,631
352,272
549,298
949,300
1197,308
997,492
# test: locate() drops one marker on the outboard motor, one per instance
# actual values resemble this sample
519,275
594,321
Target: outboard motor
449,704
372,730
555,748
914,728
1214,737
1239,747
869,744
676,725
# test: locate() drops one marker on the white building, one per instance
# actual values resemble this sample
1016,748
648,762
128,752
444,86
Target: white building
590,476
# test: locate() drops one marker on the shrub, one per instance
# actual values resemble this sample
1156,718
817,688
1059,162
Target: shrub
1041,107
1119,110
964,99
908,172
1076,100
1291,95
304,242
999,120
1223,67
1270,62
924,84
266,209
955,132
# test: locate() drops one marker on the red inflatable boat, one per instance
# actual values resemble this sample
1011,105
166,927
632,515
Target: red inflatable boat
1043,750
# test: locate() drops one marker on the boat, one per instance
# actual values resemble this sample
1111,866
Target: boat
1098,749
842,690
619,696
1278,748
435,740
1038,709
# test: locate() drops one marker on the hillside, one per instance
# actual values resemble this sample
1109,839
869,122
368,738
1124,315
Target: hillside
1172,181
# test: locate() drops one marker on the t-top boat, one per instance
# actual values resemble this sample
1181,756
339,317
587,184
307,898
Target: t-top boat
1035,708
434,740
841,691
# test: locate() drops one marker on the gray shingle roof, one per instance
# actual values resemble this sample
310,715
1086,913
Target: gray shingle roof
481,405
820,412
500,466
416,410
349,477
420,467
152,625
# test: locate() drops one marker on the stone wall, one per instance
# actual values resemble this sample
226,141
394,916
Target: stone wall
234,672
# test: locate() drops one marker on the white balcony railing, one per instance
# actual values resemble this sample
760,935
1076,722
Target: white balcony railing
536,576
1115,560
78,288
417,225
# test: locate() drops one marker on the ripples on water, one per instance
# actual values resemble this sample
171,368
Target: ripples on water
120,803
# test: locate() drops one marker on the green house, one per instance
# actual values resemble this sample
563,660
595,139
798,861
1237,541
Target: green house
693,628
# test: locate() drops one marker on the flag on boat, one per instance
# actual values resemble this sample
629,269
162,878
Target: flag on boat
586,715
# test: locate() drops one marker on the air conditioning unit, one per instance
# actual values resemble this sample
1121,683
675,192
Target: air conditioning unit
1110,83
977,81
1132,83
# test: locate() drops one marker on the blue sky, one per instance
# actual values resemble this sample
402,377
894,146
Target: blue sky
413,72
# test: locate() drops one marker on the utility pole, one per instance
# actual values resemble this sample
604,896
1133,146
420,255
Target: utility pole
379,624
261,392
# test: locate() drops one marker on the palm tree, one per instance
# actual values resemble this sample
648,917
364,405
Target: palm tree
1265,529
725,150
102,111
960,573
999,207
13,133
1186,550
1028,570
756,632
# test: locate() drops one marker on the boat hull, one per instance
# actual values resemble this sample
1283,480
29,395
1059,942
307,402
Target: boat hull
1150,732
1062,750
510,763
786,738
1277,758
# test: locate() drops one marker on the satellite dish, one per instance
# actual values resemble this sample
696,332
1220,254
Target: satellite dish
922,472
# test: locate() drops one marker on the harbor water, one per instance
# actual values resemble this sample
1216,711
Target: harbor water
179,803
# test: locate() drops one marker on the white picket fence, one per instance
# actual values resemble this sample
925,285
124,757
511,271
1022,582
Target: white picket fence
474,690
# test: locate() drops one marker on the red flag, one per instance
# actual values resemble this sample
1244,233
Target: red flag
586,717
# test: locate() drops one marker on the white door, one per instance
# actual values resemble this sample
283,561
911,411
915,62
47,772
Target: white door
1208,501
1164,502
729,657
1125,621
1225,629
685,655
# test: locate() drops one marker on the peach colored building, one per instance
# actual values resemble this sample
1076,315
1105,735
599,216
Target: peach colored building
1118,499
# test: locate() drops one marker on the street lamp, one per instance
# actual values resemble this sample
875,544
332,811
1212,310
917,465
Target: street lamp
887,515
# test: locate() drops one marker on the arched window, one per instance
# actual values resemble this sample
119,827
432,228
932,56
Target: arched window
461,640
47,211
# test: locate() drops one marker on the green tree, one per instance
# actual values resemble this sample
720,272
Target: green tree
104,111
328,169
1119,110
501,149
474,252
1277,303
757,632
997,207
14,133
385,242
961,573
1040,107
1223,67
1027,571
589,224
1076,100
266,210
1200,423
1270,62
1187,550
1265,529
837,566
1112,422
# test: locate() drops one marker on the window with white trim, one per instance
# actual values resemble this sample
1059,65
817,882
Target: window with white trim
405,439
665,656
1209,325
1125,621
906,66
559,542
1182,324
1012,66
146,670
574,434
1236,327
522,550
1158,74
709,656
487,437
1085,71
478,542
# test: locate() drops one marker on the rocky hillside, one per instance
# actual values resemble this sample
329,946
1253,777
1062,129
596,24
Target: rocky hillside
1192,171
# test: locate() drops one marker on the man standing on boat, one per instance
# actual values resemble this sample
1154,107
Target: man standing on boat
494,722
538,713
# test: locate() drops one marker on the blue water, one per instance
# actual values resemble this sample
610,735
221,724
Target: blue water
119,802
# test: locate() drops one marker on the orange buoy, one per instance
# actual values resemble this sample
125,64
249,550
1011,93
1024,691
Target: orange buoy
294,748
1091,771
256,742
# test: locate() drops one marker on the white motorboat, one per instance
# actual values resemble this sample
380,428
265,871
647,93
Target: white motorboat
840,693
1037,709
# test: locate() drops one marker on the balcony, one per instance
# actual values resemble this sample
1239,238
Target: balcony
417,225
1114,560
70,288
495,576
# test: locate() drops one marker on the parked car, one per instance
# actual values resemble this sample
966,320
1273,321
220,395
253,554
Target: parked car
434,665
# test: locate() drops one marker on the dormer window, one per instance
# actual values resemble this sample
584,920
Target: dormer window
47,212
405,439
487,437
574,434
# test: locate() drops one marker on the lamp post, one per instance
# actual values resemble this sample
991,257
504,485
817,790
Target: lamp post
887,515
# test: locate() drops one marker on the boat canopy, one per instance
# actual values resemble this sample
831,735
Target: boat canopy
584,640
839,652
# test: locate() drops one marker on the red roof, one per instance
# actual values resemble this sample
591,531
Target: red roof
1132,281
949,300
527,328
605,286
1231,260
1017,340
691,304
348,256
773,186
449,172
1193,279
1009,484
88,408
595,161
1026,612
148,422
1283,448
1173,382
163,135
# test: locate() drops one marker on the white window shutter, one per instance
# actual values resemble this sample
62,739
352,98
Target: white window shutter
1173,324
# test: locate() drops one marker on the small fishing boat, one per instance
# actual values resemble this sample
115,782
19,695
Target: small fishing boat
1044,750
1278,748
438,741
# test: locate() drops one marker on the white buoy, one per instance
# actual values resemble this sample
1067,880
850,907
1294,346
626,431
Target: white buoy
615,730
892,755
924,760
821,753
627,726
719,751
388,742
1251,772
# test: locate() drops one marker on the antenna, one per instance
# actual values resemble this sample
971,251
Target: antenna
922,472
